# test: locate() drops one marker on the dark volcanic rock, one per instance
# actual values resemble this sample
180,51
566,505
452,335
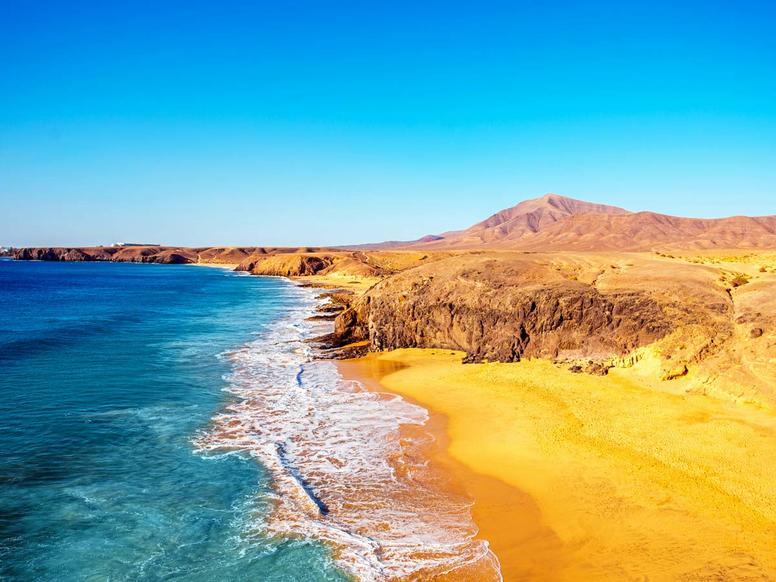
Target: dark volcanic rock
497,312
49,254
126,254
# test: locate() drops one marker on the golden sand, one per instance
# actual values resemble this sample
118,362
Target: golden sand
578,477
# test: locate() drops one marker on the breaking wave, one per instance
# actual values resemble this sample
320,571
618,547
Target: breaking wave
344,469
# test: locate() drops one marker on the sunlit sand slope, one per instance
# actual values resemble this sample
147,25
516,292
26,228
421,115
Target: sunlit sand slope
619,481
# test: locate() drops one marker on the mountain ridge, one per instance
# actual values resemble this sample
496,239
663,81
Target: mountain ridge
555,222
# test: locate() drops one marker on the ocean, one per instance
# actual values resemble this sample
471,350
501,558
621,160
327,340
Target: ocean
164,422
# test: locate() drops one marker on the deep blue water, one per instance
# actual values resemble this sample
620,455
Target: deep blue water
107,372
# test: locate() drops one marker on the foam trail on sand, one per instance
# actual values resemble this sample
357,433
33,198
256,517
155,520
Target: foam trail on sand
343,471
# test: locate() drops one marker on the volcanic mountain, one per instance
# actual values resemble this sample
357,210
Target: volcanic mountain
555,222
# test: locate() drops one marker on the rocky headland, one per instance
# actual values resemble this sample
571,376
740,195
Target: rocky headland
147,254
704,318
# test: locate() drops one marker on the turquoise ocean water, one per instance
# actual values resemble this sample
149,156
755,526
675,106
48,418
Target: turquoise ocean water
163,422
107,372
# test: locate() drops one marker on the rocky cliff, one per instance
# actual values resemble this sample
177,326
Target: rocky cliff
247,256
136,254
502,310
589,311
335,263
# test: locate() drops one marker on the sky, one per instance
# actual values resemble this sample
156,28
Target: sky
317,123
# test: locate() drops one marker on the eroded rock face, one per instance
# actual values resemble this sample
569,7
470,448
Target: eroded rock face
287,265
283,261
248,258
498,312
273,261
175,257
50,254
114,254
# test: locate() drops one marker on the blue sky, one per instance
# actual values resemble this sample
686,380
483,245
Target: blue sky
316,122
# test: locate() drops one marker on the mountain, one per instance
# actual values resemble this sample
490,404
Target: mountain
555,222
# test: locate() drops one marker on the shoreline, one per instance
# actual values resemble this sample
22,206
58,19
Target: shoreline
588,478
227,266
580,477
316,434
506,518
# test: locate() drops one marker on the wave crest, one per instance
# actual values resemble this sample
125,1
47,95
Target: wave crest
343,470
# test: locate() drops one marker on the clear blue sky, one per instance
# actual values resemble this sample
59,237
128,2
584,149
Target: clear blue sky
291,122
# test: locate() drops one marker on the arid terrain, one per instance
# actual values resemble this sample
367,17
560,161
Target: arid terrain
691,301
613,372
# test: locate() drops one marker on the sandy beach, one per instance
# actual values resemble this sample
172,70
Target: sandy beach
579,477
228,266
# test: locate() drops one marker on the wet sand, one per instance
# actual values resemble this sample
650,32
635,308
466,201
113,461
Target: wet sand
578,477
507,518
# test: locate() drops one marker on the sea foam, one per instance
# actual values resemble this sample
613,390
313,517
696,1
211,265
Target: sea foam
343,470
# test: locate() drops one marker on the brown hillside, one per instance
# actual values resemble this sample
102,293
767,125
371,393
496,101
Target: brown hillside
555,222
